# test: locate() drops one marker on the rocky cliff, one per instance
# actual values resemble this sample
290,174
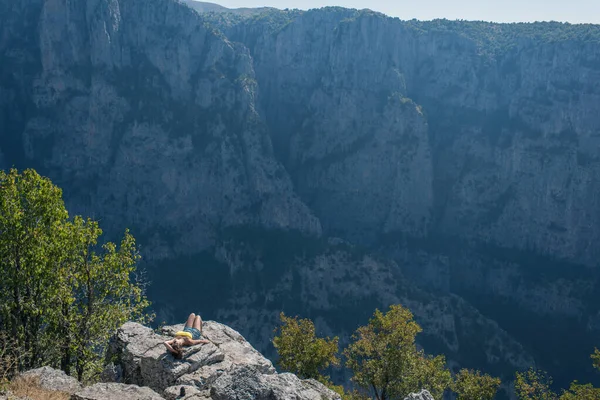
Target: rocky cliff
136,121
459,156
227,368
435,131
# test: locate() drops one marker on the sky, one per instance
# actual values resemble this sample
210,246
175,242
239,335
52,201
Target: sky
573,11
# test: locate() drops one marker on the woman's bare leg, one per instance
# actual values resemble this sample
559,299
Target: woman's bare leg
198,323
190,320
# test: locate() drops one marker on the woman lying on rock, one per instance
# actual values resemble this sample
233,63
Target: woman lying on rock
190,335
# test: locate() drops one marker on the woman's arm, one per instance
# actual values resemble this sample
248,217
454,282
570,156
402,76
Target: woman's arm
168,345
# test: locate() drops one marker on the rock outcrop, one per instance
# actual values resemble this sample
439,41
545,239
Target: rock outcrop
116,391
228,368
53,379
246,376
422,395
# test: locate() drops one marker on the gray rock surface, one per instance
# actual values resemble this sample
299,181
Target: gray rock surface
116,391
440,131
235,349
53,379
248,383
228,368
422,395
186,392
145,361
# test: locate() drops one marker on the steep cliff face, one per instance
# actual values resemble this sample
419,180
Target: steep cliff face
502,195
516,155
499,143
146,116
356,146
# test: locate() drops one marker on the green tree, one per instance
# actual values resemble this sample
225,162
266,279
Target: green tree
534,385
102,294
31,209
61,295
581,392
472,385
578,391
385,359
301,351
429,372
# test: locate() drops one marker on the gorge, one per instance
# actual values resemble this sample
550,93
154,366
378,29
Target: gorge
327,163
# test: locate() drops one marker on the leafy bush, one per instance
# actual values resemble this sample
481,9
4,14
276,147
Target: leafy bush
301,351
472,385
385,360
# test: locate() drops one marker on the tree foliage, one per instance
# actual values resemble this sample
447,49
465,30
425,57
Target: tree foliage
581,392
385,360
534,385
578,391
301,351
472,385
61,294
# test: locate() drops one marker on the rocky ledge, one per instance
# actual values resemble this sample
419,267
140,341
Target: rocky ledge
227,368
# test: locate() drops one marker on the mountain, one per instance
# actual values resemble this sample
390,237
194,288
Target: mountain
326,163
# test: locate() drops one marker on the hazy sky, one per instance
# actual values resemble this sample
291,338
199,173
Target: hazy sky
574,11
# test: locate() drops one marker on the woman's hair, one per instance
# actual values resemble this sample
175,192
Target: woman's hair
178,350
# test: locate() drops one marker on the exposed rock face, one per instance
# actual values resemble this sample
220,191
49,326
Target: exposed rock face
314,282
246,383
510,140
56,382
422,395
121,113
228,368
116,391
179,392
355,144
508,137
52,379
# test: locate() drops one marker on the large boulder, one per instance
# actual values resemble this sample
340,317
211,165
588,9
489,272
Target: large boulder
143,359
53,379
186,392
248,383
422,395
116,391
236,349
227,368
